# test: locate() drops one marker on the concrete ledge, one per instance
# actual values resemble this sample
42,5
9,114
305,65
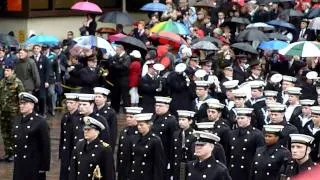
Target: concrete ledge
57,26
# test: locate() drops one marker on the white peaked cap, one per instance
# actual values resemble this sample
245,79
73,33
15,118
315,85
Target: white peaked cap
133,110
86,97
162,99
143,117
231,84
185,113
101,90
273,128
206,137
301,138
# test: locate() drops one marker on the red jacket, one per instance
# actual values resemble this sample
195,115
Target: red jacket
134,73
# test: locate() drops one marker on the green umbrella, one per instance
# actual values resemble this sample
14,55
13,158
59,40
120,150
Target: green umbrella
302,49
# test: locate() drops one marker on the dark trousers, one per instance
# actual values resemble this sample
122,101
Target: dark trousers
120,91
42,104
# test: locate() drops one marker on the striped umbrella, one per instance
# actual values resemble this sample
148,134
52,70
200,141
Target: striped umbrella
171,26
302,49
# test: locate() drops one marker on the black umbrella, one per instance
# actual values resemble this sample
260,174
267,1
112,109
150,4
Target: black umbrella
292,13
132,43
8,40
240,20
244,47
215,41
116,17
252,35
277,36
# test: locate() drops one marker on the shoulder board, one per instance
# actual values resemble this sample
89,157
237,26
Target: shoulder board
105,144
221,164
81,139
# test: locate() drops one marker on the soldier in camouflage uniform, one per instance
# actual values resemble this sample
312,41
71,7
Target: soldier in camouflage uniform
10,87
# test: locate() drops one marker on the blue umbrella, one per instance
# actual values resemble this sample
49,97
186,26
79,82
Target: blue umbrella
314,12
43,39
89,42
281,23
156,7
273,45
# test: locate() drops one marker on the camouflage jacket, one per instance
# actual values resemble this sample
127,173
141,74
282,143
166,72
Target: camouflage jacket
9,91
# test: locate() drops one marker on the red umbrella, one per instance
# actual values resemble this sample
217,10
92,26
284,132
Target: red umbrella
169,38
309,175
87,7
116,37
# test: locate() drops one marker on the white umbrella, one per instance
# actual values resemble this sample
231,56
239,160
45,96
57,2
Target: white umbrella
265,26
314,24
302,49
90,41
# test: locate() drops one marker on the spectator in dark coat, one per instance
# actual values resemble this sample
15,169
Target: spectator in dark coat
119,65
140,32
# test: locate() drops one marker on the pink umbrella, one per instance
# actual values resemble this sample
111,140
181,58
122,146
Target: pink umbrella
87,7
116,37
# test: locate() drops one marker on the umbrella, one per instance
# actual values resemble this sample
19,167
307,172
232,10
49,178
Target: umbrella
171,26
292,13
156,7
43,39
302,49
87,7
277,36
281,23
8,40
240,20
106,30
204,4
116,17
116,37
273,45
215,41
132,43
205,45
314,24
314,12
265,26
92,41
251,35
169,38
244,47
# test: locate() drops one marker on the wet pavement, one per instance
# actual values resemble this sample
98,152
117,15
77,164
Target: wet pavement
6,169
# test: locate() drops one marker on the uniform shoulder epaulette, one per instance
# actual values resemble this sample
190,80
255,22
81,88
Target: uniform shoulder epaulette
105,144
221,164
81,139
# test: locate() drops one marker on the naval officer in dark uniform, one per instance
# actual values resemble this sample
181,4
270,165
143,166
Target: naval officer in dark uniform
31,142
164,125
66,144
147,153
270,159
102,109
86,108
205,166
220,127
92,158
183,144
300,151
243,143
277,117
125,137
